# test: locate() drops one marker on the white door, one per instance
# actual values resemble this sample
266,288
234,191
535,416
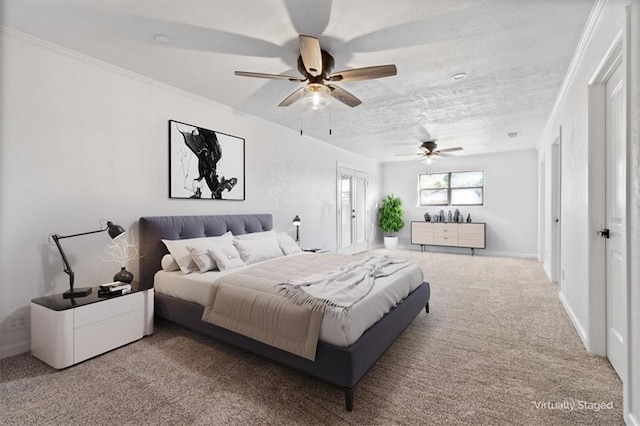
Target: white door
556,191
352,211
360,219
615,187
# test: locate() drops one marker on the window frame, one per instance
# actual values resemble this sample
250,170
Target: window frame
449,188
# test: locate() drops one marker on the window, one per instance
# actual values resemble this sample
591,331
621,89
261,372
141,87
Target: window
452,189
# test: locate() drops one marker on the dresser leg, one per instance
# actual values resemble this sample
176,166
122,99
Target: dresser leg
426,307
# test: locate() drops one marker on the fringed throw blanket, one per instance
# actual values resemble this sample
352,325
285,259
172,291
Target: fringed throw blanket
336,291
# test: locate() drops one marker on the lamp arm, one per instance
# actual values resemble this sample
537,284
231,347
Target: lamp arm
67,267
62,237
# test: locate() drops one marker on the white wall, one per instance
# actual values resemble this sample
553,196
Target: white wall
579,224
81,141
510,207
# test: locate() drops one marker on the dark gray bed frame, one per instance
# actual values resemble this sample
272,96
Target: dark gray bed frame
340,366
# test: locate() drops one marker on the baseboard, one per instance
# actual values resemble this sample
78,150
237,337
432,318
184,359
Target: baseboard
15,349
463,250
574,320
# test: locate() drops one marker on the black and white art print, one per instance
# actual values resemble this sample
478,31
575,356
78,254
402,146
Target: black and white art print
204,164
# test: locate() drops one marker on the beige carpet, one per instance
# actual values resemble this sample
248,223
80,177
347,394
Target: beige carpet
496,343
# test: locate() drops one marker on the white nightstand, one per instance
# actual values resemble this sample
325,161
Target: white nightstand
67,331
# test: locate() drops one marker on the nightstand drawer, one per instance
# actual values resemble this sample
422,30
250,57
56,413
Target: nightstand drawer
100,337
106,309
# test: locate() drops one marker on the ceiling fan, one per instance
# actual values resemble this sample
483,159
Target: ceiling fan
316,67
431,150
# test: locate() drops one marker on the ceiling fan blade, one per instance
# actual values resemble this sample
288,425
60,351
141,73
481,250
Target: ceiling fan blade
270,76
344,96
405,155
311,54
292,98
443,154
458,148
366,73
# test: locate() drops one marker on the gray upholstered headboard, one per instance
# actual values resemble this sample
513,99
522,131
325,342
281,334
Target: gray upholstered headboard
155,228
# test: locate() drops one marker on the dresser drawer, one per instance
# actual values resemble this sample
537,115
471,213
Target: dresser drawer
445,229
422,233
471,235
445,240
106,309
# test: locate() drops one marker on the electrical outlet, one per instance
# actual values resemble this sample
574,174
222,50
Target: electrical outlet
16,322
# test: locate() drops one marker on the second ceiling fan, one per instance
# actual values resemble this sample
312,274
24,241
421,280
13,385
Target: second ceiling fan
430,149
316,67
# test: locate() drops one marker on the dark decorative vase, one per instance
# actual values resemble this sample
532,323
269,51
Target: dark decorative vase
469,218
427,217
123,276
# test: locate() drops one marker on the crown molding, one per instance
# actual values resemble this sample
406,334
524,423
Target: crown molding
583,43
7,31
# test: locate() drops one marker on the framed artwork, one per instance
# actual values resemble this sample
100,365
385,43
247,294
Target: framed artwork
205,164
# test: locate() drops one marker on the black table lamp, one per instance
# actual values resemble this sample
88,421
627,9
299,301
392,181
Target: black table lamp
114,232
296,223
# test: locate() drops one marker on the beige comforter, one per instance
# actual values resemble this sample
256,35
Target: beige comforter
248,303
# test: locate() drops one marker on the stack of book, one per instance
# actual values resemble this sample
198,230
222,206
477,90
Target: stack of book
114,289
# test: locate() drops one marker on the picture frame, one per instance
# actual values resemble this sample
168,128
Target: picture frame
205,164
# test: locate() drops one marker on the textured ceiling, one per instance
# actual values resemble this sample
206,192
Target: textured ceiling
515,54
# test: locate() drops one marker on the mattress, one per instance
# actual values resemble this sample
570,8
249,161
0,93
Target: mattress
343,331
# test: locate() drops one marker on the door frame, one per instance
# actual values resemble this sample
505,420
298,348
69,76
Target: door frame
354,173
596,134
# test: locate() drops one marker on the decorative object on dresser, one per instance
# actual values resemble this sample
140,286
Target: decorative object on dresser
468,235
122,251
296,222
114,231
67,331
195,167
390,220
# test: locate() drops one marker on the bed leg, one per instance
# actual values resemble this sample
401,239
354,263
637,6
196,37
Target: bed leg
426,307
348,398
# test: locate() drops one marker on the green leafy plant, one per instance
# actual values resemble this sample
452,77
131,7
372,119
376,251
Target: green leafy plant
390,215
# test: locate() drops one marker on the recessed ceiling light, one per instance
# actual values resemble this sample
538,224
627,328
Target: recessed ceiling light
513,134
477,120
161,39
460,76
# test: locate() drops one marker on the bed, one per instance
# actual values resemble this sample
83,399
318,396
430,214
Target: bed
342,366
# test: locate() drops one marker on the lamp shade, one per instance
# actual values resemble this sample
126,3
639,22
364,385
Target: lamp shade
296,221
316,96
114,230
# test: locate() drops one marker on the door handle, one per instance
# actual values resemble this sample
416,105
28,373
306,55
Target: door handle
604,233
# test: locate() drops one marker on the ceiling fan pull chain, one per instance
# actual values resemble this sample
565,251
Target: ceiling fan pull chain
330,109
301,114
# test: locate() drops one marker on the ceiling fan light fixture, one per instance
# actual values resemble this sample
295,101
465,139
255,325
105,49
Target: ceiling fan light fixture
316,96
429,160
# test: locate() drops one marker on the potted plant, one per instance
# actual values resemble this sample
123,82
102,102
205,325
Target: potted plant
390,220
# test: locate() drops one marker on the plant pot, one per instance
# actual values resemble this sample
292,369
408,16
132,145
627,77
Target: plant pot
391,243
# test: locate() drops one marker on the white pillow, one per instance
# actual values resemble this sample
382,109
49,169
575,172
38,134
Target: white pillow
203,261
226,257
182,255
287,244
169,264
253,251
257,235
